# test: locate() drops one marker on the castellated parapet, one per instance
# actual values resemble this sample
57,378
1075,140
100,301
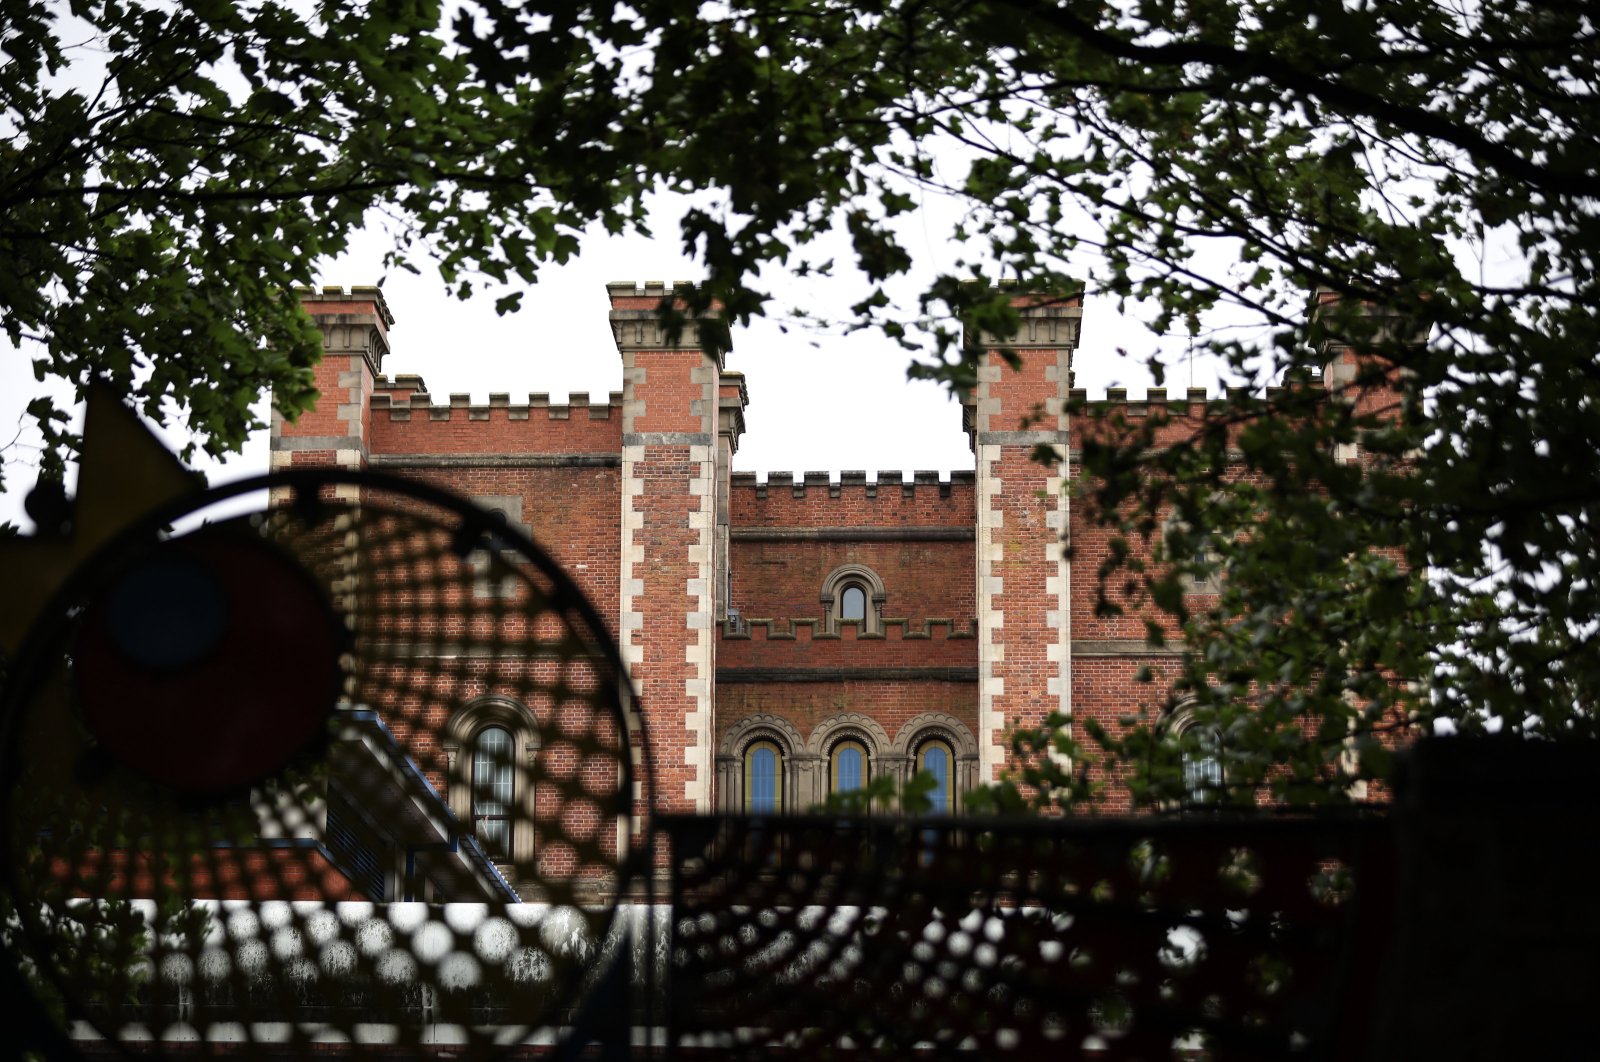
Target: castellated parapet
851,482
408,403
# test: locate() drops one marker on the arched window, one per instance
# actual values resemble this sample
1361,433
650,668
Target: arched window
853,602
853,592
493,785
490,745
1202,765
936,759
847,768
763,778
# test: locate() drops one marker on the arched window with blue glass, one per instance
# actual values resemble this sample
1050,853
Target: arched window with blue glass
763,778
936,759
847,767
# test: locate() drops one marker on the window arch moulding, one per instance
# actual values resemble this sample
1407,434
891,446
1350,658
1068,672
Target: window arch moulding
733,763
853,586
460,739
955,735
850,726
1203,777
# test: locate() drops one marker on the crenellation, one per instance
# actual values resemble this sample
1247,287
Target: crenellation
788,628
398,403
851,481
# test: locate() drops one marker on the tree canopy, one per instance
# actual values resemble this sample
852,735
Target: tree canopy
1432,165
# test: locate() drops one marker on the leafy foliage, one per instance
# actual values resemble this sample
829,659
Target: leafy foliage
1431,165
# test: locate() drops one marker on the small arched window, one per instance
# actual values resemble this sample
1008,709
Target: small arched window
847,768
853,603
853,593
763,778
936,759
493,785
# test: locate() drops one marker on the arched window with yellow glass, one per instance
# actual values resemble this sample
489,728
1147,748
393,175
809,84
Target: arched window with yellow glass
763,778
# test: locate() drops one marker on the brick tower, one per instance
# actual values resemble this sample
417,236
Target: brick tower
1024,625
673,472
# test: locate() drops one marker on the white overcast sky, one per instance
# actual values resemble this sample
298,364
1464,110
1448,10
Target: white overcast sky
819,400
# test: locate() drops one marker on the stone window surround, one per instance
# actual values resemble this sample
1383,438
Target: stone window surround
731,759
1178,722
508,507
1212,583
458,739
869,581
938,726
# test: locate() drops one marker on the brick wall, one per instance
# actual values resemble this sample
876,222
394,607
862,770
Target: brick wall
983,619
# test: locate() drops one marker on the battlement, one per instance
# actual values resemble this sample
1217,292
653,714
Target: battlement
808,629
888,482
407,399
334,299
1186,401
407,420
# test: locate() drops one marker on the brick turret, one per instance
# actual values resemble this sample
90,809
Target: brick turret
1349,369
355,338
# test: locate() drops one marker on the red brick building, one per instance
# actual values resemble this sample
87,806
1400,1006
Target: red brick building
785,638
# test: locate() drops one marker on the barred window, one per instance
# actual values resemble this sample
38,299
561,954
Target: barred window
493,789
